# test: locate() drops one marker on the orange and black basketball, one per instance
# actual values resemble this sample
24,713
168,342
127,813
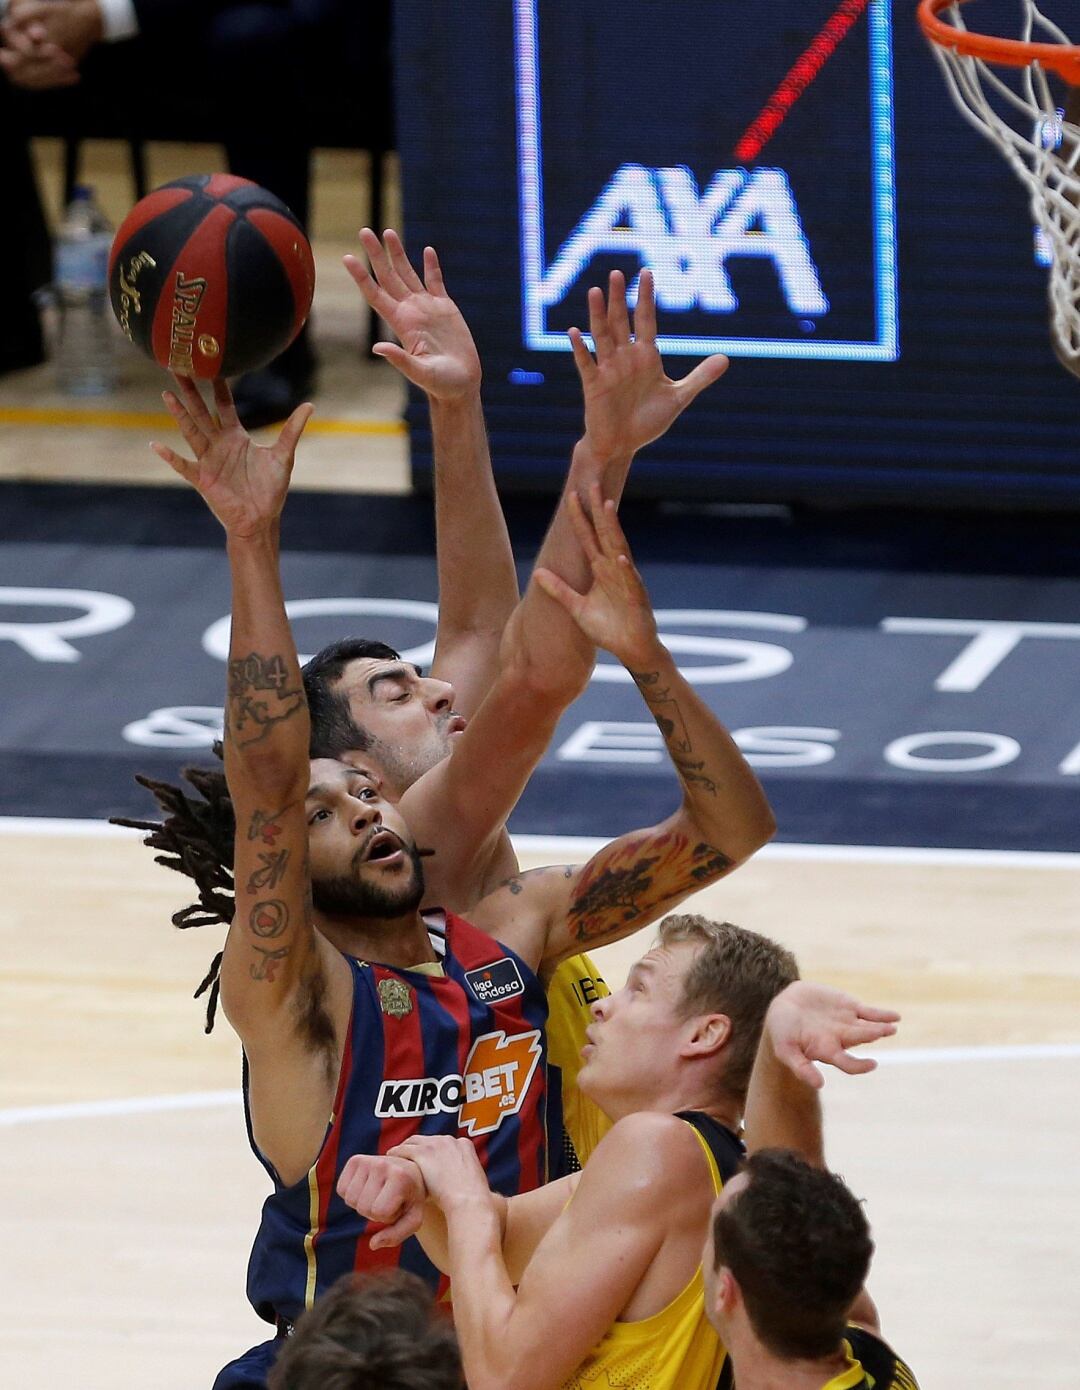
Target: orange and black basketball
211,275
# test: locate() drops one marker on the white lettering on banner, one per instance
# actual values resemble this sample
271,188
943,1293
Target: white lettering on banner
609,741
743,660
686,238
991,643
177,726
48,641
779,746
746,661
906,752
216,637
1071,766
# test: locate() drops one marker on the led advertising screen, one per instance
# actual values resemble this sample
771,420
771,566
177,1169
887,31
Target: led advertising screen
810,203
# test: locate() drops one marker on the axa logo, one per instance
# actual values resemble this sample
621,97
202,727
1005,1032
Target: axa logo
687,236
494,1084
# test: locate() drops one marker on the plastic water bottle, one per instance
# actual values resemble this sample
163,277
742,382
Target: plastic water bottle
85,354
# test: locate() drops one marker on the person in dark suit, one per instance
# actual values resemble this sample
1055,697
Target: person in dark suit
247,74
24,243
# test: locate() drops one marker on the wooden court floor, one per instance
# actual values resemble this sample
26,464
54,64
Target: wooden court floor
132,1198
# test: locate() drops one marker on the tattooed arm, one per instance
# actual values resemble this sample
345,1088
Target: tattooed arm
723,819
275,988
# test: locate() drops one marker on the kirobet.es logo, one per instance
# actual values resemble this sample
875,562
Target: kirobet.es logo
494,1084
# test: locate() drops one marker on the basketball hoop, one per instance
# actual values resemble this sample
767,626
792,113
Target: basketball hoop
1037,131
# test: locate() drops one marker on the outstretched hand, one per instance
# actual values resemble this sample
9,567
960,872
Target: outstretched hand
629,398
437,352
243,483
810,1023
615,613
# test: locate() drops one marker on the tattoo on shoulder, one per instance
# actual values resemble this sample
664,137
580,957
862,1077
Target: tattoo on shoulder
638,878
709,863
259,697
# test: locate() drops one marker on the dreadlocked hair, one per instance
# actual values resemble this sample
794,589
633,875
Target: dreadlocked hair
196,839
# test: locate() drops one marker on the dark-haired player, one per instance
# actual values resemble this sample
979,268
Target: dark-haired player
364,1020
789,1246
597,1279
371,1330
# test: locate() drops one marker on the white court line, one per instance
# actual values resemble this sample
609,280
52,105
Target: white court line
576,847
131,1105
216,1100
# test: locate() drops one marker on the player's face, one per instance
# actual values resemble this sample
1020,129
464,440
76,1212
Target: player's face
363,857
713,1310
631,1056
411,717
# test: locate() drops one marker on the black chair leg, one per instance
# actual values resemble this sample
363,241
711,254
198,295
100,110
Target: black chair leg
137,148
72,145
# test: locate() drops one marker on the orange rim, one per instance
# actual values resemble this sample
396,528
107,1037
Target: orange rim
1012,53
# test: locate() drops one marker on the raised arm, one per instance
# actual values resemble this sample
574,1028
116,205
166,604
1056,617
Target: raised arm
806,1023
477,581
272,955
546,657
724,816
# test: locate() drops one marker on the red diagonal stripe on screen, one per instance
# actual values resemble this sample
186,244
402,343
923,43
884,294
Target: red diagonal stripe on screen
803,71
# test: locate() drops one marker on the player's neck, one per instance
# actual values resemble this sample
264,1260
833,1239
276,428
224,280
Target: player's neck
756,1368
400,942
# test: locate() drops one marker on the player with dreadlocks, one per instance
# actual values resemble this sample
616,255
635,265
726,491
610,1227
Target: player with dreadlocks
365,701
364,1020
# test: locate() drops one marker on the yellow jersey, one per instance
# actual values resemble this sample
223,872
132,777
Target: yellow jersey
677,1348
575,1125
872,1365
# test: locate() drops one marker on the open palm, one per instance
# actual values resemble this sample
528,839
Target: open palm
436,352
243,483
629,398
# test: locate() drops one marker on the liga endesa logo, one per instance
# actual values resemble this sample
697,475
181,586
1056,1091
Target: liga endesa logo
494,1085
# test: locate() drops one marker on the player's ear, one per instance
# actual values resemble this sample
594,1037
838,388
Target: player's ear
707,1035
727,1290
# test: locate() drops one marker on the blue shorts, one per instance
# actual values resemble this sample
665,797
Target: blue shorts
249,1372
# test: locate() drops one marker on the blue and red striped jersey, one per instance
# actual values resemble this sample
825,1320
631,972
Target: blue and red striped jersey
460,1052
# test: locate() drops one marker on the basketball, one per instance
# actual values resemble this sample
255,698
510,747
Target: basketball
211,275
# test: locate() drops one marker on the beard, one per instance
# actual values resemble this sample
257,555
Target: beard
346,896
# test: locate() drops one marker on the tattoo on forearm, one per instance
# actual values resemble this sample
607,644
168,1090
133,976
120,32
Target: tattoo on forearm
269,918
665,710
636,878
259,697
265,826
265,968
270,871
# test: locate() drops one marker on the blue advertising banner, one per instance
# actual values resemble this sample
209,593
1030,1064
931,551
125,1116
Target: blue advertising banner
879,703
809,202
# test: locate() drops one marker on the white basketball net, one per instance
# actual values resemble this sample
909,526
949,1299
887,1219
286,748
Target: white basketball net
1018,111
